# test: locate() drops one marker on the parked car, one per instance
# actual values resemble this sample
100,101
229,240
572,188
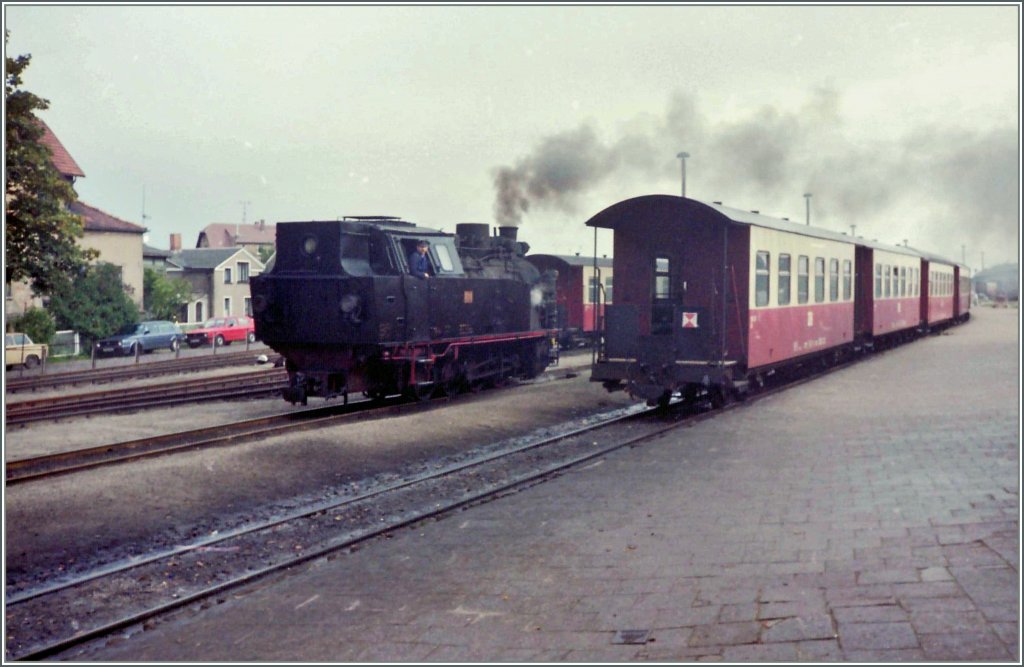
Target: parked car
223,331
20,350
141,337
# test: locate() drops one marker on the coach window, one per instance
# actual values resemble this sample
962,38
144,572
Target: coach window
608,289
887,279
802,265
595,285
784,279
878,281
762,279
662,275
903,281
847,279
819,279
833,280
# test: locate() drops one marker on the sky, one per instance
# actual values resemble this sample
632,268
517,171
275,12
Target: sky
902,122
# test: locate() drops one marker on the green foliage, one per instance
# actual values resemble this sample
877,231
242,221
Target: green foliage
39,230
37,323
265,251
94,304
163,297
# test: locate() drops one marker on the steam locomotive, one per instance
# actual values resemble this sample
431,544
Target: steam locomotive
341,307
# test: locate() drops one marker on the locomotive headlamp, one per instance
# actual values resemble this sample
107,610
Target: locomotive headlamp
259,303
349,303
309,245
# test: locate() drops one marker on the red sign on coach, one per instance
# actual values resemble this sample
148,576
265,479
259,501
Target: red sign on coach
689,320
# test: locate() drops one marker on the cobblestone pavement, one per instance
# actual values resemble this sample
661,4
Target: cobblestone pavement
870,515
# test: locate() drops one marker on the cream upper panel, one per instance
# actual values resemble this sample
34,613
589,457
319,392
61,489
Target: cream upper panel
777,243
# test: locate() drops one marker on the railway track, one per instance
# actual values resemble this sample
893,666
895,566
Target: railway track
48,620
236,385
132,371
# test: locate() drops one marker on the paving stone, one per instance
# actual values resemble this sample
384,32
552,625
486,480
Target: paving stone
814,626
964,646
725,634
780,652
870,614
877,636
884,655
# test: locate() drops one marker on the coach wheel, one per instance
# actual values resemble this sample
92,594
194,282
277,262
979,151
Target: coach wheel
717,397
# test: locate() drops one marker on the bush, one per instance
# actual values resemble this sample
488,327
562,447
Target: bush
38,324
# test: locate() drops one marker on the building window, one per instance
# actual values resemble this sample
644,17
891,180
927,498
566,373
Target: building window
802,267
762,279
608,289
248,306
227,276
199,311
833,280
243,272
847,279
662,278
819,279
784,279
227,306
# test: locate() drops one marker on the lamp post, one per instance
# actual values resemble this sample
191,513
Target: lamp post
807,196
682,156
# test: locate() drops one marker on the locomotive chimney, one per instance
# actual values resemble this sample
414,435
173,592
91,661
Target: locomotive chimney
509,233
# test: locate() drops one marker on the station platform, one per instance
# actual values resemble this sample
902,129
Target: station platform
870,515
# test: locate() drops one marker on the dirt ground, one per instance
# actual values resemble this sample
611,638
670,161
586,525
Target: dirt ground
126,509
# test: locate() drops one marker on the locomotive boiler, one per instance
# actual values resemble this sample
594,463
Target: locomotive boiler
341,307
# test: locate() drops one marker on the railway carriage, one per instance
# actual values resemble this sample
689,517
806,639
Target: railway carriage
710,299
583,289
889,294
962,305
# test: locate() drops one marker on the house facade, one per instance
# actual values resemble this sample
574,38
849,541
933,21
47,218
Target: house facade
118,241
219,279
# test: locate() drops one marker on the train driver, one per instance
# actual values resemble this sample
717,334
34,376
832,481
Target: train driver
419,263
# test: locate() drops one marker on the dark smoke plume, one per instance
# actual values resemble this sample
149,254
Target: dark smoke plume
769,159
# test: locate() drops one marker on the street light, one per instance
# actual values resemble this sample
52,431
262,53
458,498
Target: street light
807,196
683,156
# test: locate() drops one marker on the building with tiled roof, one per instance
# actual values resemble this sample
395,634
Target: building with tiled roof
118,241
62,160
254,236
220,281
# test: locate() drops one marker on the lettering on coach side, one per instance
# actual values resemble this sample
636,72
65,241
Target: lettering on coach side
808,345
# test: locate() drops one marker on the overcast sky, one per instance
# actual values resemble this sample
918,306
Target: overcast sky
903,121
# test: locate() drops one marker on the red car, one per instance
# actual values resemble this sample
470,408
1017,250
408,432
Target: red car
223,331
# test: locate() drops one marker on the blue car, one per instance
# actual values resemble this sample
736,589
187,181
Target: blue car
134,339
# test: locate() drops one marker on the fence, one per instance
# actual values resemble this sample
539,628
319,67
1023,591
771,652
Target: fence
65,344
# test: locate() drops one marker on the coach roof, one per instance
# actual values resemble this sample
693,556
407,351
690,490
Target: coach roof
665,205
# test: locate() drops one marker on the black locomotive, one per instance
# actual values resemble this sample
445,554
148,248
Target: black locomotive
341,307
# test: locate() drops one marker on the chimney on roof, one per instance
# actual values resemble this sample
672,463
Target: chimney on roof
175,242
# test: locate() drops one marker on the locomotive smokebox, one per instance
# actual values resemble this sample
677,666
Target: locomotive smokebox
509,233
472,234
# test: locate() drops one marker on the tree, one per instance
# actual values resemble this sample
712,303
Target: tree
163,297
94,304
37,323
39,229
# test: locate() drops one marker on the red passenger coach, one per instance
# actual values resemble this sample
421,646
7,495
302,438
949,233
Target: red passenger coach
709,296
889,293
583,288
